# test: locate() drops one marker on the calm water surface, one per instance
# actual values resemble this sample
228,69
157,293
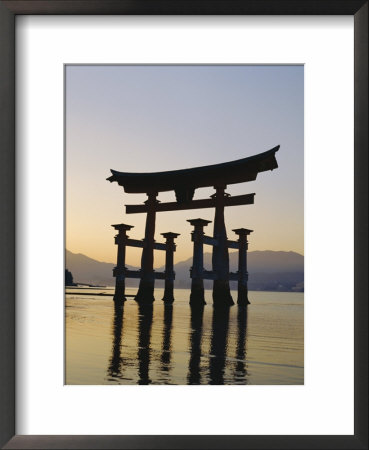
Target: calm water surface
175,345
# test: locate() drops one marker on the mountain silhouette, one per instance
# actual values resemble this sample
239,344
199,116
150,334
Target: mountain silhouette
268,270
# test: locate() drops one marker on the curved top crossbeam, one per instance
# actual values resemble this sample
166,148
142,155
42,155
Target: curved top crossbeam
185,181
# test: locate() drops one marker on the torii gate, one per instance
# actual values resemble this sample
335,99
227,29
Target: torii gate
184,183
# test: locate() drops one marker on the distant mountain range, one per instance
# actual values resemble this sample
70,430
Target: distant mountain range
268,271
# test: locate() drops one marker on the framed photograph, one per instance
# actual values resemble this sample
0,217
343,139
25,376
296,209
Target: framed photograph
184,224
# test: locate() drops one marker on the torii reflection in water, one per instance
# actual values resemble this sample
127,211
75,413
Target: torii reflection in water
194,375
219,350
145,319
118,362
144,336
219,341
203,368
241,351
116,365
166,348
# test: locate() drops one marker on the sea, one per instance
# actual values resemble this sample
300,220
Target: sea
129,344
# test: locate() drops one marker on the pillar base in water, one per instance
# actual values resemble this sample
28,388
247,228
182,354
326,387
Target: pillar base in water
119,295
145,292
197,297
222,294
168,296
242,299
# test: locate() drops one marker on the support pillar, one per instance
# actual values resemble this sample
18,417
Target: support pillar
243,275
197,283
145,292
170,247
221,290
119,270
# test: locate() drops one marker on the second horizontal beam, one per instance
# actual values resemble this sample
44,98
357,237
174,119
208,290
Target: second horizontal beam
246,199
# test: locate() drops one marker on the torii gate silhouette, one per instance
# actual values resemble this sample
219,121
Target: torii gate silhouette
184,183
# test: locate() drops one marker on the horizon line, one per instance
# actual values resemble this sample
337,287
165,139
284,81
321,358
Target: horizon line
252,251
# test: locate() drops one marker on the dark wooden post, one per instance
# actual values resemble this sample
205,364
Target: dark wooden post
119,270
170,247
197,284
243,275
145,292
221,290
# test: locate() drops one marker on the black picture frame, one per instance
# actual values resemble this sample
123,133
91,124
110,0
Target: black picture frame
8,11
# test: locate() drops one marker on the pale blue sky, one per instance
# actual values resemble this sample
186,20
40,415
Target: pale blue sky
153,118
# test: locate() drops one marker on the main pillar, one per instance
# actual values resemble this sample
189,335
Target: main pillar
170,247
197,283
243,275
119,270
145,292
221,290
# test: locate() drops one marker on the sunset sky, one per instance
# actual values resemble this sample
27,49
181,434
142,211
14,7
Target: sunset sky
153,118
